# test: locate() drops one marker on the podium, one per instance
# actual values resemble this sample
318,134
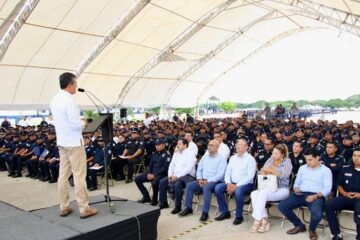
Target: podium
105,123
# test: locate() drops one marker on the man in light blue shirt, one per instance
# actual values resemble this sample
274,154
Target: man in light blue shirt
239,180
312,185
210,172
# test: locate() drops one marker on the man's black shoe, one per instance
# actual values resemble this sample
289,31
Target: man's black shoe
185,212
52,181
144,200
163,205
129,181
154,202
176,210
238,221
225,215
337,237
204,217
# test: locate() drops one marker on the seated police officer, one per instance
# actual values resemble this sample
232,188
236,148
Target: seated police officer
297,158
32,164
210,172
312,185
333,161
265,154
97,167
181,171
239,180
158,168
131,155
349,196
25,153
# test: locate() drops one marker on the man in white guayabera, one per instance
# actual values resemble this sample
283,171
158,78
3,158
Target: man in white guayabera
68,126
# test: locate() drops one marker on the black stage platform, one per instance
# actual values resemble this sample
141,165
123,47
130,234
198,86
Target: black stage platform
46,223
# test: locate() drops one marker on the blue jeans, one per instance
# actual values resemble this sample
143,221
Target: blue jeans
316,208
240,193
207,190
178,186
338,204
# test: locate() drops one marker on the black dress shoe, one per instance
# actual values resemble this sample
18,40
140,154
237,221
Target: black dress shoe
45,179
337,237
144,200
185,212
11,174
129,181
238,221
204,217
92,188
154,202
176,210
225,215
17,176
52,181
163,205
28,175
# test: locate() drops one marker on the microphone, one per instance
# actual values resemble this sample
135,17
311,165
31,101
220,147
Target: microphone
86,92
83,90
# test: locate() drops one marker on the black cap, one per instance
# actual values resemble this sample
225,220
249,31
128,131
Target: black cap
159,141
313,135
347,137
288,133
134,130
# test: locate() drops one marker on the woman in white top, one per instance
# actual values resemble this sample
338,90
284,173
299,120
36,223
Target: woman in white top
280,165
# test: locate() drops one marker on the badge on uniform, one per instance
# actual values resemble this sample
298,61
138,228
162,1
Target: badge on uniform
348,174
168,159
347,181
301,161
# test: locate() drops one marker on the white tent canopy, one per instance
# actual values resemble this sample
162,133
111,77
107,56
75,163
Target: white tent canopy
146,53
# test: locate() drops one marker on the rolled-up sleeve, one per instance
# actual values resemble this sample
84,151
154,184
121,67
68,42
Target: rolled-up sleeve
327,182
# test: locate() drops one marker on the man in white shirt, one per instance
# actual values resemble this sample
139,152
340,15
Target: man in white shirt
147,120
181,171
223,148
239,180
192,146
69,127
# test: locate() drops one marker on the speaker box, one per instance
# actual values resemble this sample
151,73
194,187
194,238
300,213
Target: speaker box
123,112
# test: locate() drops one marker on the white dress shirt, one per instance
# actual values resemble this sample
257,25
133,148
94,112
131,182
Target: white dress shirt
182,164
193,148
68,124
241,169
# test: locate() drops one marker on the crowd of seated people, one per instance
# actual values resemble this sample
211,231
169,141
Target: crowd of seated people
211,156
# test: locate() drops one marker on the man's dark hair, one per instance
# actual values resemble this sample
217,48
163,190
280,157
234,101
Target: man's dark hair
190,132
333,143
312,152
271,139
299,142
184,141
357,149
66,79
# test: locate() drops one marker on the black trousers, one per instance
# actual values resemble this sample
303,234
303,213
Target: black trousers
340,203
142,178
131,166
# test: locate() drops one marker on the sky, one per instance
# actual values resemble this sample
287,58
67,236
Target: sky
310,65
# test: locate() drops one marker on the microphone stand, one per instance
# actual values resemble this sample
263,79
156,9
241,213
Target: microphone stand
107,137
